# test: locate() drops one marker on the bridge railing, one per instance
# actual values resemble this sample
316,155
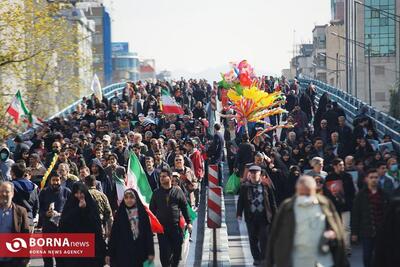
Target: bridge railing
384,123
108,92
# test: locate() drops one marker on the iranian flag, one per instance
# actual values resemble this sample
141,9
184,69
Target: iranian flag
137,180
17,109
169,105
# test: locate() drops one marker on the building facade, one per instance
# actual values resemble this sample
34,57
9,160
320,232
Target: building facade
81,68
376,57
335,55
319,52
337,10
102,52
305,60
125,64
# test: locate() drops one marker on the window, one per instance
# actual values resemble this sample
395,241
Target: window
375,14
380,30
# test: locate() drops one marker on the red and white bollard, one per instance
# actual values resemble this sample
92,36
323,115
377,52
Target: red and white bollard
213,176
214,207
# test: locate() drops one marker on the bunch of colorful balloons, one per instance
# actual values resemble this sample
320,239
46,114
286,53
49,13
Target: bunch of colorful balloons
250,103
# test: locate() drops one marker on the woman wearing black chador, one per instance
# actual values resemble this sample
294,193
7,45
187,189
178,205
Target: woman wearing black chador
131,242
81,215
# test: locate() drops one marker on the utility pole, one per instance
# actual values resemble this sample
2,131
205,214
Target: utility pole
369,74
347,43
337,69
355,49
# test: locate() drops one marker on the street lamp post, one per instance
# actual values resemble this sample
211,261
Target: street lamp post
365,47
337,70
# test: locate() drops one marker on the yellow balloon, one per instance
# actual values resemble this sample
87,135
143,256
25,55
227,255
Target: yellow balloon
233,95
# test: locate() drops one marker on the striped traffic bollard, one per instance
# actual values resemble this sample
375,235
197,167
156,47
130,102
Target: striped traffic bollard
213,176
214,207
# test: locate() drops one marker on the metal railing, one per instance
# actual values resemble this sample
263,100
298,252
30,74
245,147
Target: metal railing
384,123
108,92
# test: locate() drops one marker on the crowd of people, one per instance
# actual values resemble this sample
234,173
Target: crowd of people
335,183
88,151
306,192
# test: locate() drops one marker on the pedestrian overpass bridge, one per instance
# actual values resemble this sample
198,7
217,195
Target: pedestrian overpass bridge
384,123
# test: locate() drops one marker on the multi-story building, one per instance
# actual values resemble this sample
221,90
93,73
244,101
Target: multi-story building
302,63
376,32
335,55
102,53
125,64
337,10
81,68
319,52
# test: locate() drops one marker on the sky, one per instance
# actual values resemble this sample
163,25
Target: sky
199,38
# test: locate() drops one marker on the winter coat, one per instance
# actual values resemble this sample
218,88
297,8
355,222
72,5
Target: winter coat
48,196
281,240
388,239
245,198
26,195
345,198
361,217
244,155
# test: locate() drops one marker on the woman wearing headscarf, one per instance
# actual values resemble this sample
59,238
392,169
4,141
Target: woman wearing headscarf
131,242
81,215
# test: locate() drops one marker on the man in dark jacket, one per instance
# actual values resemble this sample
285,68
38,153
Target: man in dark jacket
258,204
198,111
331,117
167,203
56,148
116,175
151,173
14,219
244,155
292,240
25,192
291,101
341,186
387,241
63,157
345,136
368,214
19,147
216,150
52,200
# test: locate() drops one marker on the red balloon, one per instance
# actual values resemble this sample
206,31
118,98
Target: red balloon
245,80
